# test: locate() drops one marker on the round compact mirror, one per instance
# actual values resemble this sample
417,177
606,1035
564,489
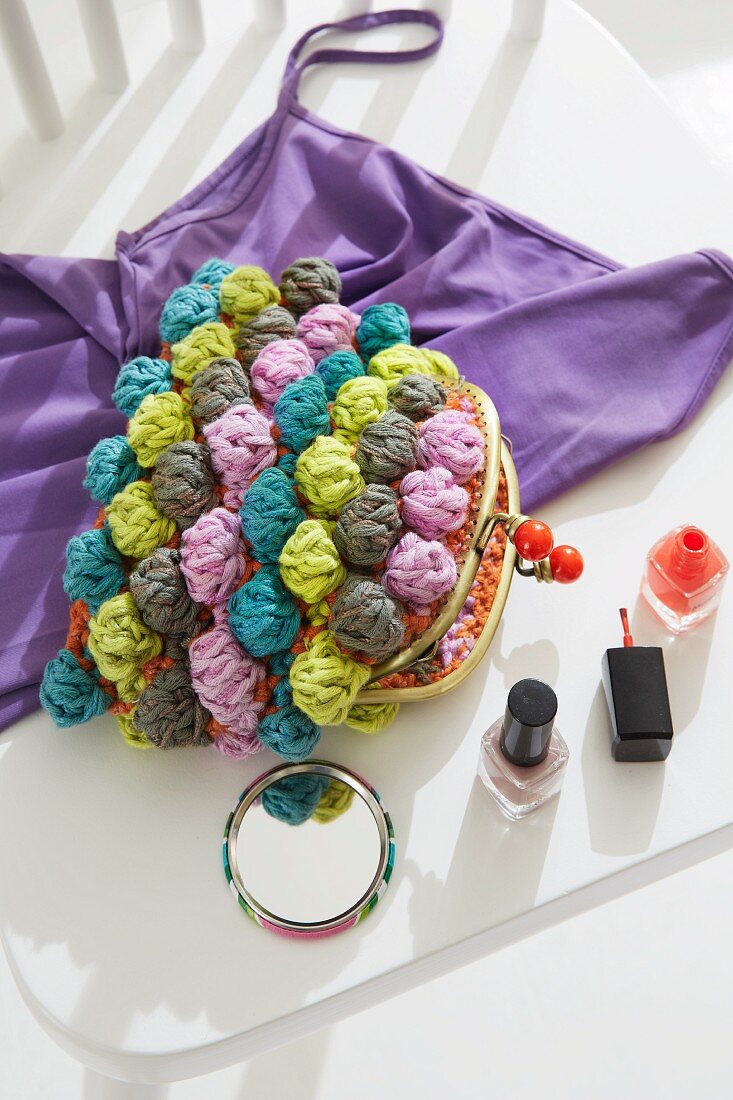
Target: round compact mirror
308,849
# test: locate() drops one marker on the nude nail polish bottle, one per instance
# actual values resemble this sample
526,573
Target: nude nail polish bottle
523,757
683,578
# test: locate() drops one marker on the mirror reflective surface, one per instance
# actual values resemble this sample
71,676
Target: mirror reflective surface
308,849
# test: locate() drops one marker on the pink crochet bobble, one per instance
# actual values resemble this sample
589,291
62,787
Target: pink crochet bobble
224,676
212,556
277,365
238,745
449,439
241,448
419,572
432,503
327,328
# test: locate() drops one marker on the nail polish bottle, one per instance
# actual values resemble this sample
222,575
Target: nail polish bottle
683,578
523,757
635,684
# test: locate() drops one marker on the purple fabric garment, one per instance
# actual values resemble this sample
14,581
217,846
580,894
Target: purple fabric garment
585,360
61,328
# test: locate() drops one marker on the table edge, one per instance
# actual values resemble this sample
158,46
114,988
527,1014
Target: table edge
179,1065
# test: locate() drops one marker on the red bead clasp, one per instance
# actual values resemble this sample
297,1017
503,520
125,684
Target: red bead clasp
566,564
534,542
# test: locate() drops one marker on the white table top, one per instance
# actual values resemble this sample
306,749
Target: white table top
114,910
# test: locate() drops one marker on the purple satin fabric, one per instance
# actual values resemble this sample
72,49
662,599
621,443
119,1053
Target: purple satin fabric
585,360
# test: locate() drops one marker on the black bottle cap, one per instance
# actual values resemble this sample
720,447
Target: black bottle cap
529,720
638,703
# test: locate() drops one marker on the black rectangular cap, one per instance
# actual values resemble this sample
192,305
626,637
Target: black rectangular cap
636,691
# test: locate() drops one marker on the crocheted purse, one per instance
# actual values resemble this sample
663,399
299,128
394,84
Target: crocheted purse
308,519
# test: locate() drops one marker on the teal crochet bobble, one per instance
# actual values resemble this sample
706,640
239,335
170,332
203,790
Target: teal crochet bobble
302,413
186,309
287,463
282,693
94,570
381,327
69,693
280,664
294,798
110,467
338,368
270,513
288,731
212,273
139,378
262,614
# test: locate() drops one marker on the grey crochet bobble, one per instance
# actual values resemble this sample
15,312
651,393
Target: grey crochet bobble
417,397
365,619
368,527
272,323
169,713
216,388
387,448
183,482
160,593
308,282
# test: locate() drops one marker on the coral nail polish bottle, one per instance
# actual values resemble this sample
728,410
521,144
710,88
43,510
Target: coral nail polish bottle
523,757
683,578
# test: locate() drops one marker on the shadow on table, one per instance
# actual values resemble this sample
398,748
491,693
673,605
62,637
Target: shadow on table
293,1072
171,174
96,1087
622,800
496,862
489,113
391,97
78,175
116,862
541,656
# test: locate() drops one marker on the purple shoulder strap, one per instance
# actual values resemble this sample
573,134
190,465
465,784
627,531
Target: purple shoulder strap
294,67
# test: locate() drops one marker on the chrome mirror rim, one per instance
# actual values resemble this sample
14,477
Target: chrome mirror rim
346,919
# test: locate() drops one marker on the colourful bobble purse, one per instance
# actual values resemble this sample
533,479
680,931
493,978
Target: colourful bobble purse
308,521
